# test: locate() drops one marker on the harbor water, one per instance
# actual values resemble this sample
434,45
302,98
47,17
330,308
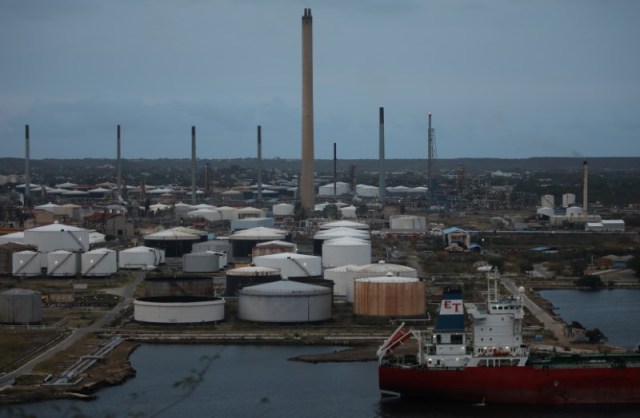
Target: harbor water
614,312
261,381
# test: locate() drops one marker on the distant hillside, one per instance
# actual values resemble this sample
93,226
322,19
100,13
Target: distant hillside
471,165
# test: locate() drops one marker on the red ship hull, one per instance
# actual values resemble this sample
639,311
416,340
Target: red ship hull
516,385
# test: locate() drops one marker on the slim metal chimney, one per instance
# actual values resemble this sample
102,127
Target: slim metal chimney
118,165
27,169
193,165
585,187
381,174
207,178
259,195
431,156
335,170
307,194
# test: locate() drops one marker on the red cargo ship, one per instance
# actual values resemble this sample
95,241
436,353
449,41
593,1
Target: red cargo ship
495,366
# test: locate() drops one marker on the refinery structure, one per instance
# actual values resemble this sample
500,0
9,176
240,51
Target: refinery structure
304,246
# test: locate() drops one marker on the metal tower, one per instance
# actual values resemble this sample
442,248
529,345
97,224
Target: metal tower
431,157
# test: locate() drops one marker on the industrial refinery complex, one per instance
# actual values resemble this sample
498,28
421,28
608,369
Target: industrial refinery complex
319,245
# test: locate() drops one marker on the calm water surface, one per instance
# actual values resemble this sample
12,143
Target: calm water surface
258,381
615,312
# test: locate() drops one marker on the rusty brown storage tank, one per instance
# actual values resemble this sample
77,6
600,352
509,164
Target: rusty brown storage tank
389,296
247,276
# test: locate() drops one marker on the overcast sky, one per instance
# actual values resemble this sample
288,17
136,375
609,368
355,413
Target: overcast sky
503,78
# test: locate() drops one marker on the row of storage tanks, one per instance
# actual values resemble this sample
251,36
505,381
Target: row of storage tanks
285,301
94,263
287,287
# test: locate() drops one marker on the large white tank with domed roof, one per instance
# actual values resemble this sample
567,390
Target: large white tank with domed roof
285,301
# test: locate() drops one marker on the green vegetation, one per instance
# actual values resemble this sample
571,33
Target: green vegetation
590,281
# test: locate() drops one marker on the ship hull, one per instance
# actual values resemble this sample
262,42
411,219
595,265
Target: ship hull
515,385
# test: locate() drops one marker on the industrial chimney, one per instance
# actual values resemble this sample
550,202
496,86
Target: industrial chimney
381,180
307,194
431,156
27,169
585,181
118,166
193,165
259,195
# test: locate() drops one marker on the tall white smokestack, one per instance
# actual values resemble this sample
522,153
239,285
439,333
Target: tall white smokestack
193,165
27,169
585,187
381,173
307,194
259,195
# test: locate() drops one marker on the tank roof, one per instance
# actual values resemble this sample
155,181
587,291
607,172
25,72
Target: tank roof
285,288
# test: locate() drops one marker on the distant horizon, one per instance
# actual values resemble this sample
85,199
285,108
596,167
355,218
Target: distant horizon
327,159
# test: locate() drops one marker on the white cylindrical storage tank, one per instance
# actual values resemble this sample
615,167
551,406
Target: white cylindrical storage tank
141,258
217,246
27,263
274,247
380,269
284,301
250,212
57,237
228,213
244,241
292,264
347,250
342,278
333,233
248,276
408,222
548,201
175,241
20,306
283,209
17,237
99,262
349,212
345,224
182,209
178,309
568,199
63,263
339,188
364,190
389,297
545,211
574,211
206,262
209,215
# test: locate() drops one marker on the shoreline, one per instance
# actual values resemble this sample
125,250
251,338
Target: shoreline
116,368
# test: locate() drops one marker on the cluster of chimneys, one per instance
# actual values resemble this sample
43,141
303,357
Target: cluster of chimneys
306,185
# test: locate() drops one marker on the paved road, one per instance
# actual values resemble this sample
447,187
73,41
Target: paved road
77,334
547,320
